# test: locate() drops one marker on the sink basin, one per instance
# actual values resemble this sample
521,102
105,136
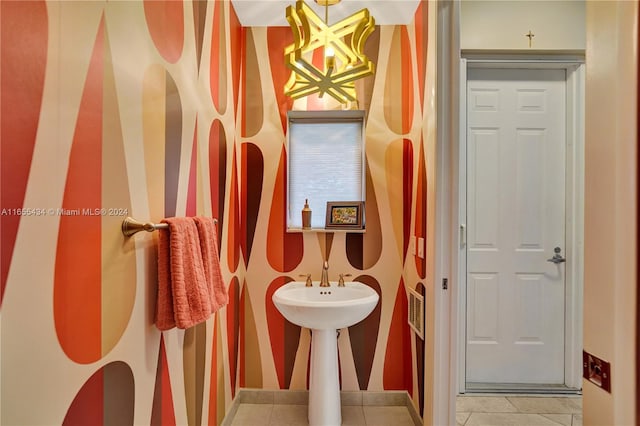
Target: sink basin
323,308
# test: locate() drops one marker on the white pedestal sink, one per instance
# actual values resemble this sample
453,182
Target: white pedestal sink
325,310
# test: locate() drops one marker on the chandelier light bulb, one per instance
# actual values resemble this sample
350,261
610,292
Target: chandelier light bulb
329,52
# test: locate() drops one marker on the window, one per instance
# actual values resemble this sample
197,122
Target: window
326,162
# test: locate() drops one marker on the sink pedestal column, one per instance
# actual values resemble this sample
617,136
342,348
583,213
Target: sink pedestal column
324,387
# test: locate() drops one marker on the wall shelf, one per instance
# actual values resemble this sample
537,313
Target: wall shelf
326,231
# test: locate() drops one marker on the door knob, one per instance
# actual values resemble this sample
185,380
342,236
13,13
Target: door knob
557,257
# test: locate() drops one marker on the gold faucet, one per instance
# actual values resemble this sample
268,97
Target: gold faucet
308,283
341,279
324,280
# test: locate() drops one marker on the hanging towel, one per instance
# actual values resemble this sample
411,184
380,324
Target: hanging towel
183,292
207,230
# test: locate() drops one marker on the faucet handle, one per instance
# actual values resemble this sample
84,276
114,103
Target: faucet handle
308,283
341,279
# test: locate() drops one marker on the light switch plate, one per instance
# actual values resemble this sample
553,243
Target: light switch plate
421,248
412,245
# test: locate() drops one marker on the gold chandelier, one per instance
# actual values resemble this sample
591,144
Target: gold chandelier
345,62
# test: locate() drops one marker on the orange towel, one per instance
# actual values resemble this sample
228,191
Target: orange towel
183,299
211,260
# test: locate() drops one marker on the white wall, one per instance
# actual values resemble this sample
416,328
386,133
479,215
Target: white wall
610,207
502,25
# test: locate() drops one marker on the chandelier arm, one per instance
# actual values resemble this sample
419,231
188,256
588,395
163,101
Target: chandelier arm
310,73
341,95
314,77
360,36
342,78
301,19
295,24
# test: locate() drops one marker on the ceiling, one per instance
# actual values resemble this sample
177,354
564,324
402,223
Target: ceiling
271,13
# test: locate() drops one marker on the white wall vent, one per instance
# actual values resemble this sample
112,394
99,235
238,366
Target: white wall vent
416,312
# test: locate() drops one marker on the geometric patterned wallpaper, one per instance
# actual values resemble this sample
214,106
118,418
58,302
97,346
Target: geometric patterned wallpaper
161,108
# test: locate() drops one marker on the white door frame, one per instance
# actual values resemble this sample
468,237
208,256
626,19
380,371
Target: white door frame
450,304
575,213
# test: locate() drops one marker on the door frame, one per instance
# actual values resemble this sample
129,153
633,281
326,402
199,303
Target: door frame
575,69
574,205
573,215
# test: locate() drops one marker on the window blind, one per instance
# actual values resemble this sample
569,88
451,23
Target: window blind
325,164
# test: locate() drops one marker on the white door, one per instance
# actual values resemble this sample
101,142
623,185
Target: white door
515,220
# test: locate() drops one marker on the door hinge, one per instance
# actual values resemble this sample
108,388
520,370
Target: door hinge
445,283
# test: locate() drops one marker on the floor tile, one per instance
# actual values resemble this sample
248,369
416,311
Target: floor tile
252,415
508,419
484,404
387,416
577,420
545,405
288,415
353,415
461,418
561,419
576,402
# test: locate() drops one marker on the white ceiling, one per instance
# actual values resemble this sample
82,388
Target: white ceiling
271,13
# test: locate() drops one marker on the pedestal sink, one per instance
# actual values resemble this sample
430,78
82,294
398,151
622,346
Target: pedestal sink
325,310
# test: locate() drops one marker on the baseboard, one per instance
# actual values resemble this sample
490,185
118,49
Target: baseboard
301,397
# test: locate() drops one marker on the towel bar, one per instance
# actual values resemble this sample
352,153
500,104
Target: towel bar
130,226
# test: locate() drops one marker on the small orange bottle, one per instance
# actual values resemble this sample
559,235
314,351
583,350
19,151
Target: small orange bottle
306,216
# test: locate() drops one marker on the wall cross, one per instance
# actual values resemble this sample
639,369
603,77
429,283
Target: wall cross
531,36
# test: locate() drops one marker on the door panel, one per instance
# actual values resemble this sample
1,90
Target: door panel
483,302
515,219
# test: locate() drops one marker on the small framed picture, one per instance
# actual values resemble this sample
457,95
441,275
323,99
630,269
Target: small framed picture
345,215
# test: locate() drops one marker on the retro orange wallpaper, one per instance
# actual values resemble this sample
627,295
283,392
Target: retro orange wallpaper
155,109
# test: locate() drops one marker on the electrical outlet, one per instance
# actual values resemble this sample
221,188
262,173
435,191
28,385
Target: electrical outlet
421,248
596,370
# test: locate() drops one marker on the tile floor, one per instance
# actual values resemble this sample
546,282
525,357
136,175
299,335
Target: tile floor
289,408
471,410
296,415
518,410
